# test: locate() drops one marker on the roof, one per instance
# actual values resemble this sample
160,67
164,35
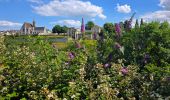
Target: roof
39,28
28,25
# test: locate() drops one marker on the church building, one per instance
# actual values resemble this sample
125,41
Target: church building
31,29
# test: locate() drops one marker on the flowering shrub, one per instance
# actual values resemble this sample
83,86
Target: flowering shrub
131,66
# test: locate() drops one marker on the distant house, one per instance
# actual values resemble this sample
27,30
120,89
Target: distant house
77,33
31,29
74,32
9,32
95,29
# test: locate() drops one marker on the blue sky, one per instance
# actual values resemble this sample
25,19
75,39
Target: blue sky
69,12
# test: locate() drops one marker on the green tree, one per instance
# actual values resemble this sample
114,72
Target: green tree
89,25
164,25
56,29
137,24
109,27
141,22
59,29
64,29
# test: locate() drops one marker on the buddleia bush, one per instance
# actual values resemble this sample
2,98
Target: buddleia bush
120,65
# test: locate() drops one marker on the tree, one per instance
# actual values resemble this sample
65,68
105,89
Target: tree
56,29
164,25
89,25
59,29
109,27
126,25
137,24
141,22
64,29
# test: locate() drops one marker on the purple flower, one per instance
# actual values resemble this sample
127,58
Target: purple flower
78,45
82,26
147,56
95,36
129,25
66,63
124,71
71,55
106,65
118,30
117,45
168,78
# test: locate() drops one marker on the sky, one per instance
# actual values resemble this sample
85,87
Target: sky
13,13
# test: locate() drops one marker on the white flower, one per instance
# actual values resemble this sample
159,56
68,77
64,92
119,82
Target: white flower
73,96
64,99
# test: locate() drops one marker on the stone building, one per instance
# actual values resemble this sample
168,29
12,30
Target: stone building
31,29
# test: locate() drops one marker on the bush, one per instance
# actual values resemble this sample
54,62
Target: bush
126,66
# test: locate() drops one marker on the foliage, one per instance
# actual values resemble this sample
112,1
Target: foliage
132,66
109,27
89,25
59,29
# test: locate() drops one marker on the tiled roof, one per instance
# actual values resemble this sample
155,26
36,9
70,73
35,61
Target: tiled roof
39,28
28,25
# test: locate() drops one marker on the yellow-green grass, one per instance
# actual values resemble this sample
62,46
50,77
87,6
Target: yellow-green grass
60,45
90,42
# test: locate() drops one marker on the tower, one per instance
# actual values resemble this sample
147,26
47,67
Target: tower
33,23
82,26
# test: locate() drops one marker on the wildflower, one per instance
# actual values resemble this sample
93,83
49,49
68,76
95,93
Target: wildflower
118,30
168,78
78,45
66,63
64,99
54,46
73,96
124,71
106,65
117,45
71,55
95,36
146,58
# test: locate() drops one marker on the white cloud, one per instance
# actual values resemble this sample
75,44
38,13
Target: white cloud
160,15
157,16
5,23
69,23
165,4
123,8
69,8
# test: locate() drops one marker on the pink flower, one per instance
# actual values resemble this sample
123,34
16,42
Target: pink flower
117,45
95,36
124,71
78,45
71,55
66,63
118,30
168,78
106,65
